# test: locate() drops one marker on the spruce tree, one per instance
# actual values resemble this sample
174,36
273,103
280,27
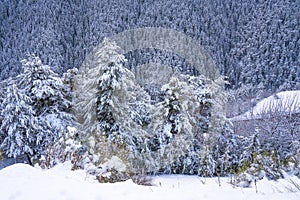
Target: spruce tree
111,108
46,90
19,126
41,99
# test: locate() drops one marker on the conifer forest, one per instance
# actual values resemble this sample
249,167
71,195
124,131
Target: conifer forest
133,88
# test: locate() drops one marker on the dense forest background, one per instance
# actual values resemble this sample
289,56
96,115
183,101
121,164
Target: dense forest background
256,44
51,112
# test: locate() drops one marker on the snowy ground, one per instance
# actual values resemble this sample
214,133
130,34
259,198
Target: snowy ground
22,181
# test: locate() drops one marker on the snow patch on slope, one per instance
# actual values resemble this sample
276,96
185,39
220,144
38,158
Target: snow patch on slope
282,102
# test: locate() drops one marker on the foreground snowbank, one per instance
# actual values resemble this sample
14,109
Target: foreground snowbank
22,181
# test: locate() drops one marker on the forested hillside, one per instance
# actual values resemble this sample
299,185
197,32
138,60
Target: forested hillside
147,110
254,43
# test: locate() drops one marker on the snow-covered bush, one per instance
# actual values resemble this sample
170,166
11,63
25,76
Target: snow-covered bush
292,163
232,152
243,180
247,159
113,170
67,148
265,164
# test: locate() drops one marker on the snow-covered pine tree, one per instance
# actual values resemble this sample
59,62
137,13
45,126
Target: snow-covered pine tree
43,85
69,81
231,152
19,126
122,111
178,125
99,80
212,121
48,100
121,104
1,104
181,139
111,107
208,112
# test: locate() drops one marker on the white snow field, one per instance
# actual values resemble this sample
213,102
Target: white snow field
284,102
21,181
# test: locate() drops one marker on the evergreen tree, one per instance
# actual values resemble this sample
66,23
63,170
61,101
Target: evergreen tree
172,129
43,86
19,125
180,126
111,107
42,91
68,80
46,90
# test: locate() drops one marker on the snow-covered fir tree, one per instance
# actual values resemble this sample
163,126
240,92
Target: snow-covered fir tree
46,91
19,126
180,126
68,80
40,99
99,82
44,86
121,104
172,128
110,106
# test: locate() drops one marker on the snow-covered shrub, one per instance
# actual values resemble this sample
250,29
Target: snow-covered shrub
67,148
269,165
231,152
113,170
292,164
256,160
265,164
252,161
243,180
